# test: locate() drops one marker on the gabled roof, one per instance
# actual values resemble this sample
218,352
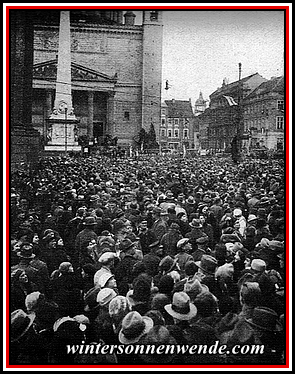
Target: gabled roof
48,70
179,108
276,84
231,87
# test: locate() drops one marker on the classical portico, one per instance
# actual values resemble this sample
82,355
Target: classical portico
92,95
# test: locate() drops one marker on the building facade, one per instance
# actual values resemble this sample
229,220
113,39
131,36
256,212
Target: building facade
223,119
115,71
177,119
264,118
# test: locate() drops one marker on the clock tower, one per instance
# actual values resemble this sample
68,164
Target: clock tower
200,105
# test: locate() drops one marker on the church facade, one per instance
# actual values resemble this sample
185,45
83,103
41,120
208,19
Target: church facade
116,72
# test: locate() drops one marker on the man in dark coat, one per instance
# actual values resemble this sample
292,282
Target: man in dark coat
123,271
84,237
153,258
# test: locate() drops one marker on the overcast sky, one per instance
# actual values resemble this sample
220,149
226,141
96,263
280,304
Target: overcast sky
202,47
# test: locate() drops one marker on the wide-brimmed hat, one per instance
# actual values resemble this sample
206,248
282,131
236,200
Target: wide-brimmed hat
208,264
265,319
158,335
26,251
89,221
20,322
134,326
181,307
194,287
196,223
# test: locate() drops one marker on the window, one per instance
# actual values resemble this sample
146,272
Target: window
169,133
280,105
176,133
169,121
163,122
163,132
185,133
153,15
176,121
280,123
126,116
163,112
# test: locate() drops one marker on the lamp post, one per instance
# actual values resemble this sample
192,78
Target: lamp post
66,131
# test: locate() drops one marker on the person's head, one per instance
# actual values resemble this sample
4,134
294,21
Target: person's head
181,308
206,304
250,294
184,245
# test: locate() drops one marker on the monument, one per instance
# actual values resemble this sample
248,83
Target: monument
62,125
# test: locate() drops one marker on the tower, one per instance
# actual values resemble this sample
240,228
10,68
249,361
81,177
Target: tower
152,70
200,105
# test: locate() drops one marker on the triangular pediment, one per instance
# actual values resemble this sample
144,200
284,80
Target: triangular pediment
48,70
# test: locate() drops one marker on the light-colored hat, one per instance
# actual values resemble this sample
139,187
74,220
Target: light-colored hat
237,212
258,265
106,257
181,307
194,288
134,326
105,296
103,279
182,242
119,307
251,218
32,301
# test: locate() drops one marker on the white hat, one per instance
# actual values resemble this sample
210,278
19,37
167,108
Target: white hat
103,279
182,242
105,296
251,218
237,212
106,257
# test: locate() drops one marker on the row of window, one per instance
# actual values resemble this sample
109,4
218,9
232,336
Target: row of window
260,108
176,121
175,133
260,123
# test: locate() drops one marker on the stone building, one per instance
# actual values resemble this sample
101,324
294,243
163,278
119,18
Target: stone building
264,115
176,129
223,119
116,69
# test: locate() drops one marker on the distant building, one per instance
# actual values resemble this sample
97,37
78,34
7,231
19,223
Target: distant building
176,129
116,69
264,110
224,118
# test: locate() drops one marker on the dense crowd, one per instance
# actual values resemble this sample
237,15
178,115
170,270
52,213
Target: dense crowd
147,250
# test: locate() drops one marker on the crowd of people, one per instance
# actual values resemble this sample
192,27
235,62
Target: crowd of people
147,250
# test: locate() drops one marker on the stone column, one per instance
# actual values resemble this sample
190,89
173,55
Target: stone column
111,129
49,94
25,141
90,114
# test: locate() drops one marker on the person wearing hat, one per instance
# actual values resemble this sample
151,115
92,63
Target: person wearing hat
123,269
190,205
119,307
157,336
170,239
102,324
139,296
183,253
206,273
20,287
238,217
107,263
265,323
160,226
84,237
66,287
195,233
146,236
25,255
152,259
181,309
